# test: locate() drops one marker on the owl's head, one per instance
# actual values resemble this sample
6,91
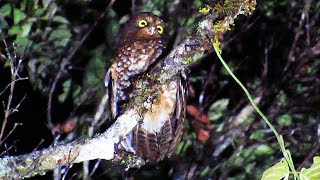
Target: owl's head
144,26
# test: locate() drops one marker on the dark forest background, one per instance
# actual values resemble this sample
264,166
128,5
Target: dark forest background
64,48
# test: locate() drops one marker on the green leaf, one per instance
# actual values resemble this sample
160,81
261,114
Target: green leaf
258,135
60,19
14,30
76,94
83,96
18,15
29,7
183,146
277,171
3,23
216,109
312,173
7,63
93,82
26,29
198,3
39,12
205,171
66,88
264,150
112,28
46,3
21,43
284,120
51,10
5,10
282,98
60,36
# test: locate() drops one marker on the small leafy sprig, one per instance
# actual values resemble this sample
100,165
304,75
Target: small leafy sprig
285,167
229,10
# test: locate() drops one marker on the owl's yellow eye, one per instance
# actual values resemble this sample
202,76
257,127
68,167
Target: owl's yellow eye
142,23
160,29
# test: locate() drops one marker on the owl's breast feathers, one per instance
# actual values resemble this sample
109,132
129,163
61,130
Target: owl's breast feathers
133,58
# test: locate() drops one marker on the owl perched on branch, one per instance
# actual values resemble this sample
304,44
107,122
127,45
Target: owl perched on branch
162,103
141,43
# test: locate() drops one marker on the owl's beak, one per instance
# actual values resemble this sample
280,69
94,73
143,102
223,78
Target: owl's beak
152,30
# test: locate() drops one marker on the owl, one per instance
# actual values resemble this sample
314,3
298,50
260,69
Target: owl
141,43
158,134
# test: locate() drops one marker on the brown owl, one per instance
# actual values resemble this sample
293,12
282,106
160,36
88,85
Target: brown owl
141,43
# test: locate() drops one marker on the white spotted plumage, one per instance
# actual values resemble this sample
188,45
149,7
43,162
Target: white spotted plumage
159,133
137,50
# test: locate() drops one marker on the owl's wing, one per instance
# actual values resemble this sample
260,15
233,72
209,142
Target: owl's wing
111,90
157,146
172,130
177,121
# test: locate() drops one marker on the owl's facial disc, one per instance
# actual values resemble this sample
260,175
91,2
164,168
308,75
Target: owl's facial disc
150,28
144,26
149,32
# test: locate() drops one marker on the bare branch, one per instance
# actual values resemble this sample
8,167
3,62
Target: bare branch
99,147
14,78
11,84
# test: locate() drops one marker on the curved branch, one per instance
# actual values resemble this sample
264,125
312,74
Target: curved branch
100,147
191,48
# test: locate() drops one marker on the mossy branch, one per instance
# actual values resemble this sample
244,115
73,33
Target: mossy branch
102,146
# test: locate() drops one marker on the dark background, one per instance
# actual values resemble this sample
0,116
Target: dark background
274,52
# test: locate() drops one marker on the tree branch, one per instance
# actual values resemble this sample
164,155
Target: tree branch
190,49
100,147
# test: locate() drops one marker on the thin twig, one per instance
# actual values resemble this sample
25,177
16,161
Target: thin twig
11,131
13,79
66,61
26,78
304,17
7,111
95,167
52,89
8,148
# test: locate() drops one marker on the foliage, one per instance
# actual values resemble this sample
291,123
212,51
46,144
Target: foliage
312,172
274,53
276,172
